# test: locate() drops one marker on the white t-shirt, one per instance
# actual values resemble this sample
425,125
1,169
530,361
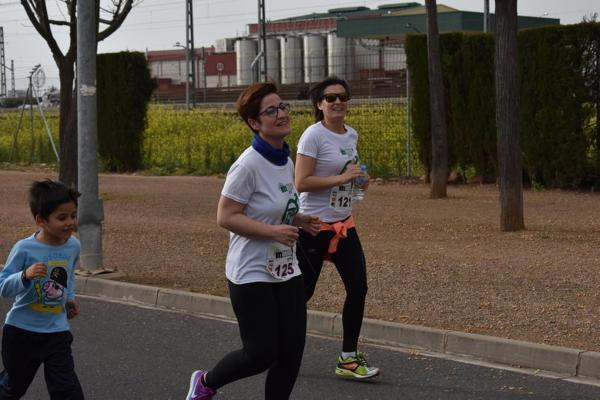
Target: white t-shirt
270,196
333,153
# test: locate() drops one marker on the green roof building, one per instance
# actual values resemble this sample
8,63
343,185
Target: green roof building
395,24
388,21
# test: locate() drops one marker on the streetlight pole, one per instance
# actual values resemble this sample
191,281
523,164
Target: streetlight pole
187,74
90,213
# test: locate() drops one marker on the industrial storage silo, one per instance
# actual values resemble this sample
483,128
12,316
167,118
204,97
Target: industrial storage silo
245,53
314,58
273,59
291,60
340,56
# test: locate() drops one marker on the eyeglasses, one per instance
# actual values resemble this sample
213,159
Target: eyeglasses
273,111
331,97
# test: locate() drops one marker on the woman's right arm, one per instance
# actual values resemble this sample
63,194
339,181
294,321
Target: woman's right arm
306,181
230,215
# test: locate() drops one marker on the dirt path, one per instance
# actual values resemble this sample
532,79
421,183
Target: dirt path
438,263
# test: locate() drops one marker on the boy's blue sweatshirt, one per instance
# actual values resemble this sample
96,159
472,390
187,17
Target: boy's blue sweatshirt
40,303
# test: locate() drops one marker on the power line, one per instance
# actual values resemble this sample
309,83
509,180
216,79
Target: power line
215,19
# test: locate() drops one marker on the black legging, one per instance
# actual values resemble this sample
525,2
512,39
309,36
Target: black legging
349,260
272,323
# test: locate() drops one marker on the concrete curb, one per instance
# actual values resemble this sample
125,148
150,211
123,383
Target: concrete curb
566,361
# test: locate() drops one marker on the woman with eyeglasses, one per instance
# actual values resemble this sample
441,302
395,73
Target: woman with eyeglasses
326,166
259,206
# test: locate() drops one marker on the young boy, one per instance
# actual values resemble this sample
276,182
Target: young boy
39,273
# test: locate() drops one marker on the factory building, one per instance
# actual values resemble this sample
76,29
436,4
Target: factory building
362,45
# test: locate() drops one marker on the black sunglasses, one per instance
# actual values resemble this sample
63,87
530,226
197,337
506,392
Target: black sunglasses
331,97
273,111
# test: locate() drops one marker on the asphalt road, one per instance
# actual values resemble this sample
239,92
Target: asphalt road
127,352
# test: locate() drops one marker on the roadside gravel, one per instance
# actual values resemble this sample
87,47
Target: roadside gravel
437,263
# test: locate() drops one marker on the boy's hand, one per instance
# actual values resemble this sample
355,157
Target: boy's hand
37,270
72,309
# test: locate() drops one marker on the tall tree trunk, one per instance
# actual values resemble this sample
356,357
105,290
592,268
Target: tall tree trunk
596,96
68,123
439,140
507,117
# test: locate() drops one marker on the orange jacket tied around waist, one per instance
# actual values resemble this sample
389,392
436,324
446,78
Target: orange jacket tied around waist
341,232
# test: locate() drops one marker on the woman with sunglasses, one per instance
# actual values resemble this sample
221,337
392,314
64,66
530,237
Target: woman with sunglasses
259,206
326,166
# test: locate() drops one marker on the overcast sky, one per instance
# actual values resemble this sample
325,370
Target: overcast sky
158,24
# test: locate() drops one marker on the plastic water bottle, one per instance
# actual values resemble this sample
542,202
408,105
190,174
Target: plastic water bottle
358,194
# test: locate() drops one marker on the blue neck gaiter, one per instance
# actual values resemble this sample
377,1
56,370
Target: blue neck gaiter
276,156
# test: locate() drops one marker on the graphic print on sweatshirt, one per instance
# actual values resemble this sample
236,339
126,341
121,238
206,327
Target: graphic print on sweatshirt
51,290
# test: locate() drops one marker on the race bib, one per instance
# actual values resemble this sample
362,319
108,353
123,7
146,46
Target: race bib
340,197
280,260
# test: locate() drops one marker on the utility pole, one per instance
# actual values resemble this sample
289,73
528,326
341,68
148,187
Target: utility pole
90,213
2,65
187,75
486,15
189,44
262,40
12,78
204,88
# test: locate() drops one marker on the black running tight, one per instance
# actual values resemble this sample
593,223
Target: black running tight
350,263
272,323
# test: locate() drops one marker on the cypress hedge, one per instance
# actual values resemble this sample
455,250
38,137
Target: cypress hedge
559,71
124,90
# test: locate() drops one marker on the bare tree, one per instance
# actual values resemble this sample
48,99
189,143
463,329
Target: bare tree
439,139
111,17
507,117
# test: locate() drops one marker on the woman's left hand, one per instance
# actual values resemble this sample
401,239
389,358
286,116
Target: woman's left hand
309,223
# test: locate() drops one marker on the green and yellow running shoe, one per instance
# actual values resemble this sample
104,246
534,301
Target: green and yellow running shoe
355,367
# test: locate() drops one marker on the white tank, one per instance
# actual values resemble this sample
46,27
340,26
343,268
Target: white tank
245,53
340,56
291,60
394,58
314,58
273,60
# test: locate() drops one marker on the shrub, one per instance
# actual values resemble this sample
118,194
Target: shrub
124,89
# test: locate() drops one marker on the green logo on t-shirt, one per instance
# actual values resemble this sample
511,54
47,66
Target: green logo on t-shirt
348,151
291,209
286,187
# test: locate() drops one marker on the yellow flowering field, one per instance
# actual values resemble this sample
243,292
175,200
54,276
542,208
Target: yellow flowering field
207,141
